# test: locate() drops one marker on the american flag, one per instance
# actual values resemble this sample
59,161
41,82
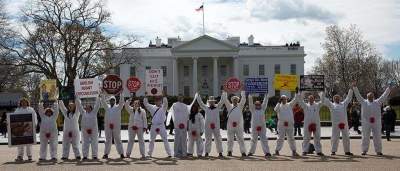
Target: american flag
200,8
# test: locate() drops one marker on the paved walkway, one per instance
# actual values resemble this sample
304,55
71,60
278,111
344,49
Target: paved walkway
325,134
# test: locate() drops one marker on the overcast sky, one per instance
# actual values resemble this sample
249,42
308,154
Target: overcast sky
272,22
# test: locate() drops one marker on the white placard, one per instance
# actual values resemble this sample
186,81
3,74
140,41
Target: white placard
154,82
86,88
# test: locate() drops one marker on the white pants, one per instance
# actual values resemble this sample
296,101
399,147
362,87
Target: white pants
209,133
163,134
263,138
282,130
307,137
71,141
110,134
132,135
52,142
375,128
90,140
199,143
336,136
20,150
238,131
180,142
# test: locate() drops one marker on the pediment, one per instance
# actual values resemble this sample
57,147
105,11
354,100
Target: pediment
205,43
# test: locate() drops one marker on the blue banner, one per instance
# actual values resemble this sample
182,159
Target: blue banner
256,85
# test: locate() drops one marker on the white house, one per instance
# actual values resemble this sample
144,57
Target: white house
204,63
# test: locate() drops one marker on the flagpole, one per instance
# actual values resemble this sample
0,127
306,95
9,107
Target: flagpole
204,32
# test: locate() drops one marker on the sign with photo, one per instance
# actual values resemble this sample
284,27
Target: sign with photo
154,82
256,85
86,88
285,82
48,90
21,129
312,83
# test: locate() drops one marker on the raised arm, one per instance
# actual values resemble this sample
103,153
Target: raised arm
62,107
384,95
165,103
200,102
242,99
300,100
121,102
127,106
96,106
225,100
41,109
191,104
103,102
79,106
146,103
358,95
348,97
56,109
251,104
221,102
265,101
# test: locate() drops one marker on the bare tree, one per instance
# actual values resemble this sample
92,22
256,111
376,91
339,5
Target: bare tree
65,39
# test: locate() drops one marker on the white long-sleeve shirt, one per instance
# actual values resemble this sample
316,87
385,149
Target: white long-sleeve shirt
258,115
21,110
198,124
285,111
212,114
235,113
371,109
113,114
48,123
339,110
70,120
158,113
136,118
179,112
311,111
89,120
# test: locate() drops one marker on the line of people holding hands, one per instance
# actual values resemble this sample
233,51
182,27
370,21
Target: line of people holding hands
190,125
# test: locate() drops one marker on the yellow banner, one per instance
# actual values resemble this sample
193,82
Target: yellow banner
48,90
285,82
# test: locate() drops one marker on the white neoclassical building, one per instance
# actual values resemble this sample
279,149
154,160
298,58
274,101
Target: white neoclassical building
204,63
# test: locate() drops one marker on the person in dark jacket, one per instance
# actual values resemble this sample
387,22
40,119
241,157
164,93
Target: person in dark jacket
388,116
247,120
3,124
298,119
355,118
100,122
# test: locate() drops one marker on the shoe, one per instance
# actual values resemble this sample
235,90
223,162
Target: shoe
122,156
243,154
53,159
105,156
295,154
169,156
40,159
333,153
189,155
199,156
320,154
348,154
300,135
78,158
250,154
389,139
364,153
128,156
276,153
19,158
94,158
304,153
229,153
220,155
84,158
64,158
143,156
268,155
29,158
206,155
379,153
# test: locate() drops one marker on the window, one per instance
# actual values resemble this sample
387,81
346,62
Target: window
165,89
186,71
133,71
223,70
293,69
116,70
204,70
246,70
186,91
277,69
261,69
148,67
164,70
277,93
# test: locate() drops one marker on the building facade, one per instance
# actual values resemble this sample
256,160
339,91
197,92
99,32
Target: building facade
204,63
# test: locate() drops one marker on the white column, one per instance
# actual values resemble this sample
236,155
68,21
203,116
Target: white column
215,78
195,88
235,67
175,77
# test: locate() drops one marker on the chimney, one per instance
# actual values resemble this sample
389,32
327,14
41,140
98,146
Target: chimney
251,40
158,42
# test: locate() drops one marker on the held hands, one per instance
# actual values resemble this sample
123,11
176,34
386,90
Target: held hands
354,84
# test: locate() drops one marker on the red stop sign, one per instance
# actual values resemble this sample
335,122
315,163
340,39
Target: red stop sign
112,84
232,85
133,84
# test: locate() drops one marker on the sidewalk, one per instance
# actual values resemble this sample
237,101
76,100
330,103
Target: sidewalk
326,133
